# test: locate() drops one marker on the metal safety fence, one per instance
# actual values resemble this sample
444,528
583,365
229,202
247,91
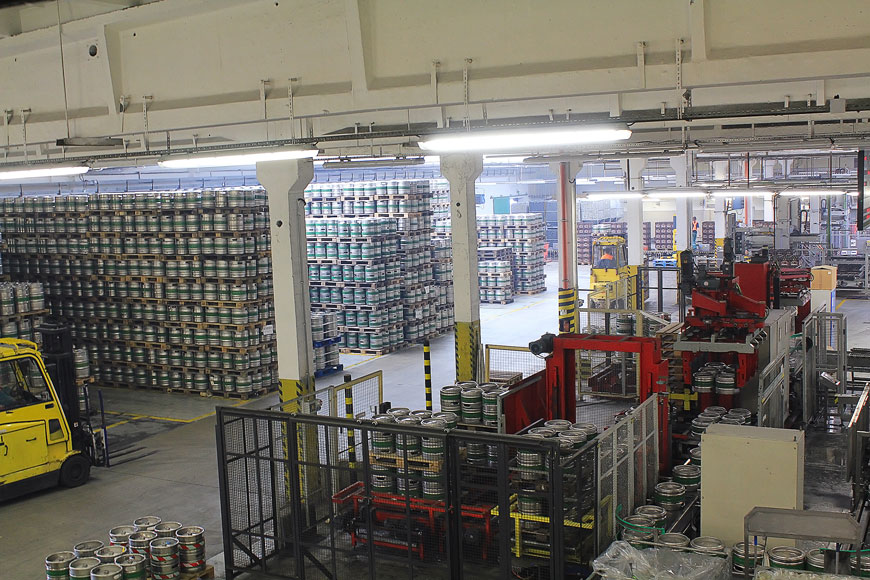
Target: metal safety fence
421,502
510,364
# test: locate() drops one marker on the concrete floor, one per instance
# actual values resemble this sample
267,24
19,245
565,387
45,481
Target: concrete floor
165,453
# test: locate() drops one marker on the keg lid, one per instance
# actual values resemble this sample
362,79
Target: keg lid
106,571
163,542
816,556
740,411
60,558
786,555
715,409
167,526
84,563
434,423
146,535
189,532
588,428
695,452
447,416
687,470
708,543
422,413
558,424
408,420
88,546
651,511
670,488
674,539
756,550
545,431
147,521
383,419
398,411
110,551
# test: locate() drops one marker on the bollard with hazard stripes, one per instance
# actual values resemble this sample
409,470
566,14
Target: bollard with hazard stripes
567,309
427,369
348,413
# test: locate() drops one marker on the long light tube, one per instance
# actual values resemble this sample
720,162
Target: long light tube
740,193
233,158
677,193
811,192
616,195
47,171
521,139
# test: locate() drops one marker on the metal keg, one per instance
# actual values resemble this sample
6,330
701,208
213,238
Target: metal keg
709,545
545,432
786,557
710,415
397,412
703,381
674,541
577,438
689,476
57,565
726,383
450,399
405,442
740,412
382,442
530,461
164,557
81,567
700,424
654,512
191,549
590,429
670,495
716,410
530,505
146,523
383,479
816,560
864,572
433,447
558,425
107,571
87,549
167,529
450,418
408,482
695,455
107,554
742,558
139,542
472,405
637,529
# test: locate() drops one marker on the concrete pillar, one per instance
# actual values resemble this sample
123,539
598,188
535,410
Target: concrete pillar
633,168
567,211
782,218
815,214
462,170
768,209
684,205
285,183
719,220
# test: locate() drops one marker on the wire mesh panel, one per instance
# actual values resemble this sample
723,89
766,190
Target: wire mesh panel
510,364
418,503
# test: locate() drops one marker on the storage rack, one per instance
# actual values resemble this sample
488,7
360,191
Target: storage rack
584,241
413,293
442,271
169,290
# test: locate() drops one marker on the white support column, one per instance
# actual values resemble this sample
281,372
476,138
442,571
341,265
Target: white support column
684,205
719,220
462,170
768,209
815,214
633,168
782,229
285,183
566,172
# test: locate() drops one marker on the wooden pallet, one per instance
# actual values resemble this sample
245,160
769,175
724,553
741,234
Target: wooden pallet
415,463
508,301
372,351
530,292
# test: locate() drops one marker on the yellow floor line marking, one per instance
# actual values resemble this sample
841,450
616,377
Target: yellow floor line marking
362,362
134,416
837,307
118,423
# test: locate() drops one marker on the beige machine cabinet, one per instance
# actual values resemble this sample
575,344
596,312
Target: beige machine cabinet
743,467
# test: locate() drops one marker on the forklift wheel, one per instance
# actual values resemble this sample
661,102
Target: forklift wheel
75,471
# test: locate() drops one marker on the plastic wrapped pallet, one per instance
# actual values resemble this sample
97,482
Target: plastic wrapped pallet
621,561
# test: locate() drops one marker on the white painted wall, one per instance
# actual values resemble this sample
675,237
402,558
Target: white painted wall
371,61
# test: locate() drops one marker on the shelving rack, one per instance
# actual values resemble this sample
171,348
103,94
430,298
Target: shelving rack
169,290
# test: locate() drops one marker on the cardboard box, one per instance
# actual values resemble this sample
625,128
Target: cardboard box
824,278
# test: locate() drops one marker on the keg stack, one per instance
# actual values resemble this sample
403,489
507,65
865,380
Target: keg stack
526,235
442,271
324,332
157,286
150,548
496,282
353,269
22,310
402,274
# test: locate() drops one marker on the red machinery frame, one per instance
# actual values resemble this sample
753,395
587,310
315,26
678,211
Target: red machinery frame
653,377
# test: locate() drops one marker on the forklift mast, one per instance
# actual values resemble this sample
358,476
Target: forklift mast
57,354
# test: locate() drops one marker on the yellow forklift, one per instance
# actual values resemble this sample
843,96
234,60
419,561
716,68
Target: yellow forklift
614,283
44,440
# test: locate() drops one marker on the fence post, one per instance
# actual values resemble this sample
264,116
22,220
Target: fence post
348,413
427,370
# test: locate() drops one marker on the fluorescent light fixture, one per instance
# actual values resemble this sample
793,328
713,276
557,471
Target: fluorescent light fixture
534,181
740,193
611,179
233,158
852,194
810,192
528,139
677,193
614,195
503,159
651,199
36,171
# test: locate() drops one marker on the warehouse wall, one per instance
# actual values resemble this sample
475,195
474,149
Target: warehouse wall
373,61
